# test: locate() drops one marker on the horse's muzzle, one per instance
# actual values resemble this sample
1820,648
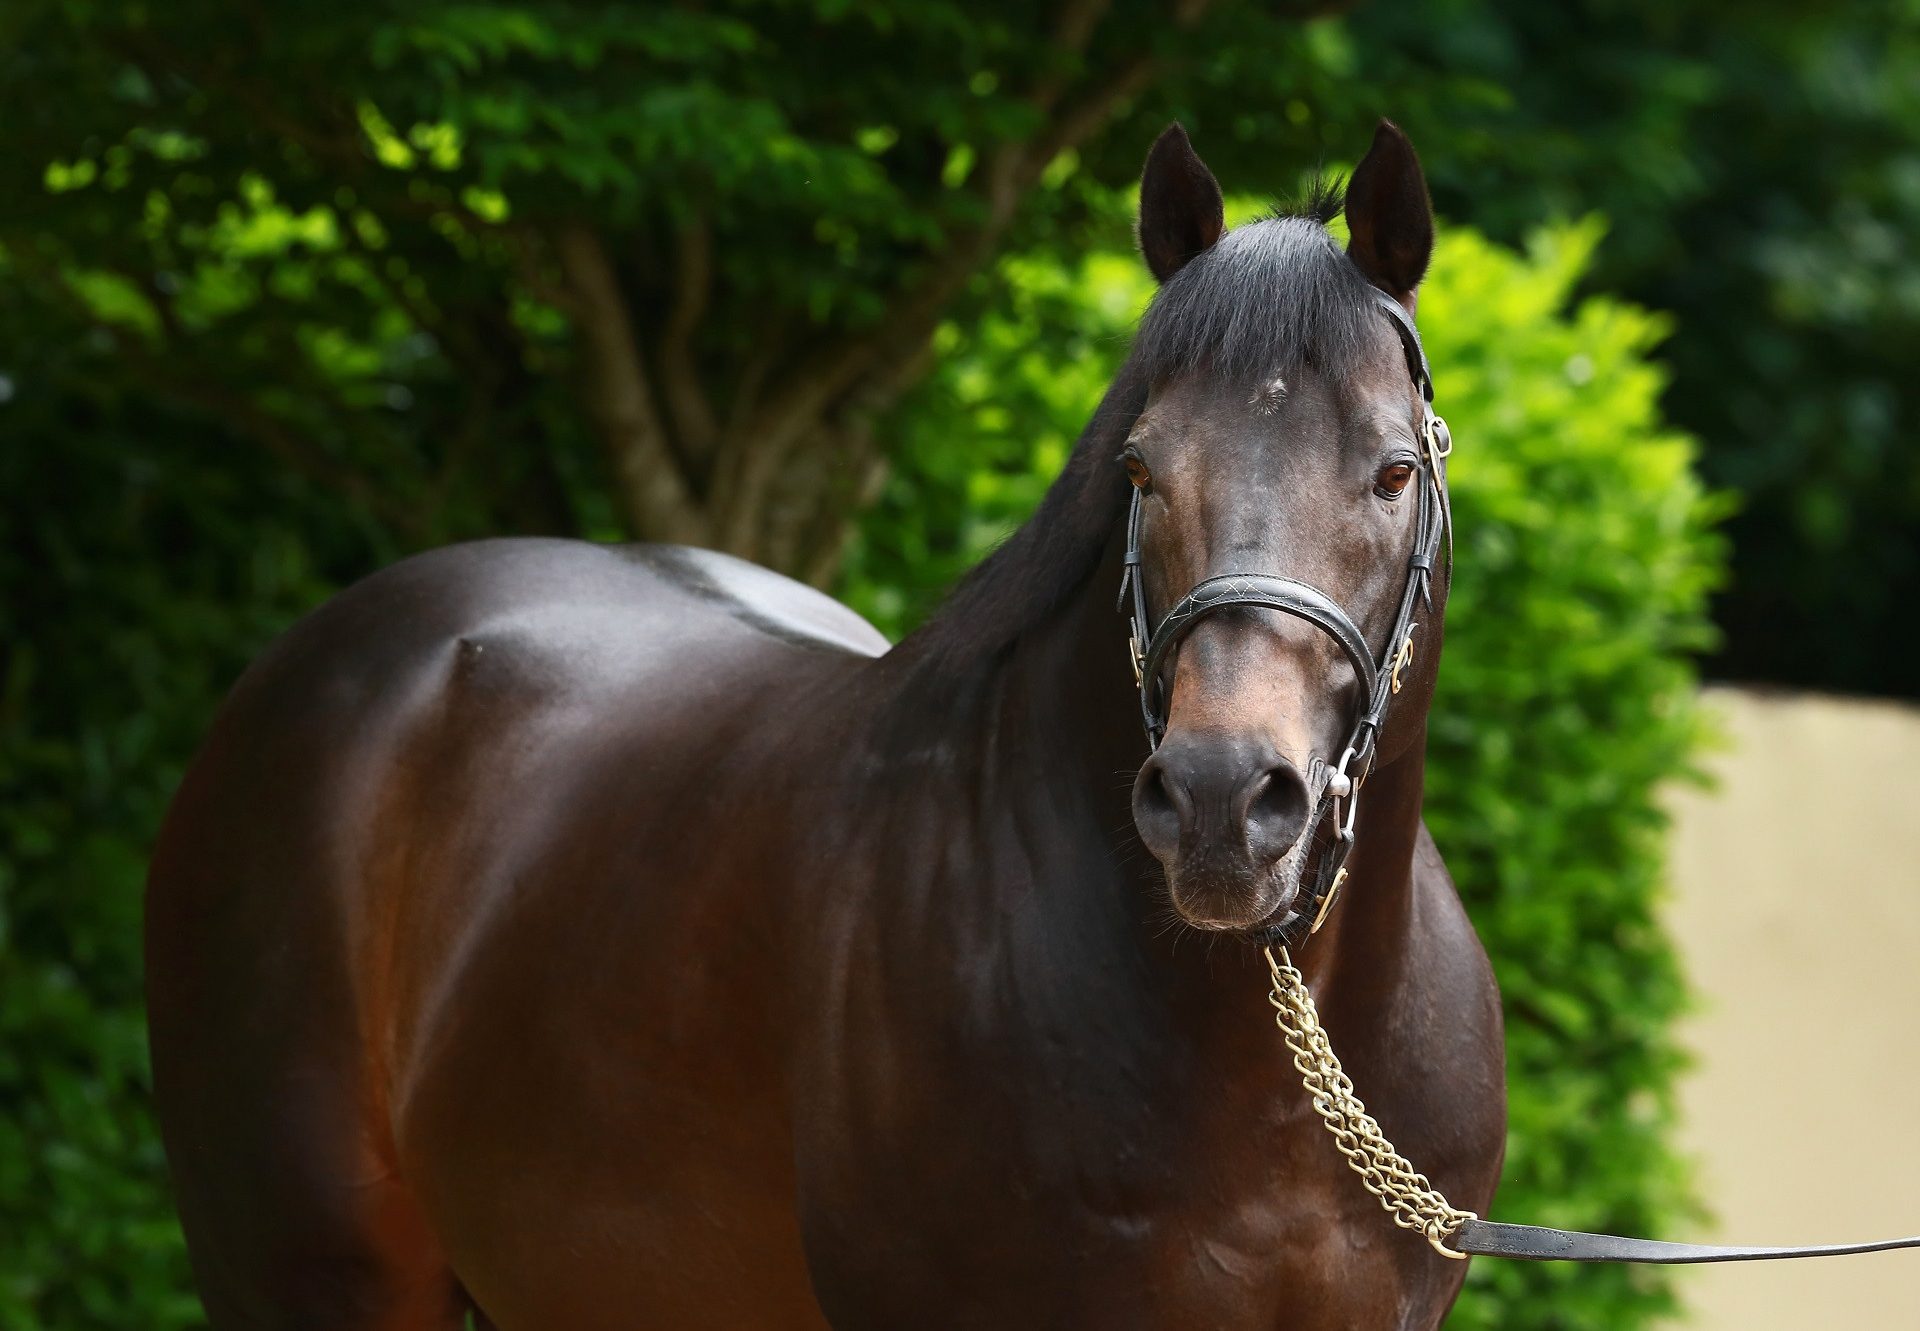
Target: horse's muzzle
1221,812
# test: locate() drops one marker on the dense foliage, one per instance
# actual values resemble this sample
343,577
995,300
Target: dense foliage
581,266
1584,563
467,255
1760,166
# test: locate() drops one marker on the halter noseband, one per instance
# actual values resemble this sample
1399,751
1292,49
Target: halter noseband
1379,675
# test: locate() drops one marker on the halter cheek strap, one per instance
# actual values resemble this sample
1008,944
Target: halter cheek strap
1377,675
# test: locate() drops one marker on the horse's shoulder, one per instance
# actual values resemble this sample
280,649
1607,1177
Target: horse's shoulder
1458,1077
1455,956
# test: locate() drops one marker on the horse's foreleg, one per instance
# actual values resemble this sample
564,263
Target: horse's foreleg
293,1223
295,1212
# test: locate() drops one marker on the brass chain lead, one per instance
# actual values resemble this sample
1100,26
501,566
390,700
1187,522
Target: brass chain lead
1404,1193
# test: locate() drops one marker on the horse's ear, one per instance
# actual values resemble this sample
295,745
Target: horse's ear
1389,220
1181,212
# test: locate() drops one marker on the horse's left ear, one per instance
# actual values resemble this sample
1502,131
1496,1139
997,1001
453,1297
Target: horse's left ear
1389,220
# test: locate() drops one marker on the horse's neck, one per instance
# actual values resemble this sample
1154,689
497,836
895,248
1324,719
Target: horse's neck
1065,703
1046,740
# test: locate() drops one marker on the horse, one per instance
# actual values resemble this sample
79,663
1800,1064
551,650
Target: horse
563,935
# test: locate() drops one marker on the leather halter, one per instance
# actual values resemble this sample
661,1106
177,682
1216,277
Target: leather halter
1377,674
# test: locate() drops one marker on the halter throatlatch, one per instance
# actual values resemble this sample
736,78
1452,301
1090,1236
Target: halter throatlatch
1378,675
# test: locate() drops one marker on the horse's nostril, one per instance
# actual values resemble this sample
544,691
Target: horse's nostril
1276,812
1159,807
1218,799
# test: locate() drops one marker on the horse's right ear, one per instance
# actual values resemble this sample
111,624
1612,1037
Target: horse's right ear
1181,212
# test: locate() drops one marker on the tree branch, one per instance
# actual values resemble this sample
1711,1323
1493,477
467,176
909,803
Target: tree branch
1072,32
679,378
823,543
881,361
170,378
293,448
155,57
657,498
525,242
913,319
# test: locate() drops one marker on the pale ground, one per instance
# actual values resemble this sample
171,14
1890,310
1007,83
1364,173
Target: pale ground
1796,906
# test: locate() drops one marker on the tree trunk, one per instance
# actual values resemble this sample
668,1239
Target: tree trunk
778,474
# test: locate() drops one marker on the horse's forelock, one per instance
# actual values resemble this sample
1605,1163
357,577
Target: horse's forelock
1270,296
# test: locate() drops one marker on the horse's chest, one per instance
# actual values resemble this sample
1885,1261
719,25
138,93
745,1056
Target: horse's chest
1062,1213
1071,1146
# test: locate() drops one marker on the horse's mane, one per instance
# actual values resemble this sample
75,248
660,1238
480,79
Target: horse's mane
1270,296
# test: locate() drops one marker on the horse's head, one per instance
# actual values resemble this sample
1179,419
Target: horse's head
1284,437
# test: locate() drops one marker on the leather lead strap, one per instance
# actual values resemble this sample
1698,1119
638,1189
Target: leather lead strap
1537,1243
1540,1243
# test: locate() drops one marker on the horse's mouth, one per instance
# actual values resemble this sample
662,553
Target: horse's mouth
1291,882
1289,927
1290,922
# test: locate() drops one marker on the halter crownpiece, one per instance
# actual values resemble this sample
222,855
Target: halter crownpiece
1378,674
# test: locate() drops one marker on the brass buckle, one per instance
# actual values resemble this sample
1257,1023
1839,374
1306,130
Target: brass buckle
1401,661
1326,902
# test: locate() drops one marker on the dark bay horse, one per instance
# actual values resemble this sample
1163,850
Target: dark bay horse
589,937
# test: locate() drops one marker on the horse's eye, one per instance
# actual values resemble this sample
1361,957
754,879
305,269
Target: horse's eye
1137,473
1392,480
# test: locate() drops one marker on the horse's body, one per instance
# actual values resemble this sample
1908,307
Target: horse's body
624,938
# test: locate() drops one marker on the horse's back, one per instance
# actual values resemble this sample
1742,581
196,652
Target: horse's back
613,614
388,793
456,674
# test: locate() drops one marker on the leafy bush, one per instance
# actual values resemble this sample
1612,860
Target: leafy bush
118,638
1584,562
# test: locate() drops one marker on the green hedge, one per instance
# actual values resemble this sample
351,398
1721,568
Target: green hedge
133,588
1584,560
153,557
